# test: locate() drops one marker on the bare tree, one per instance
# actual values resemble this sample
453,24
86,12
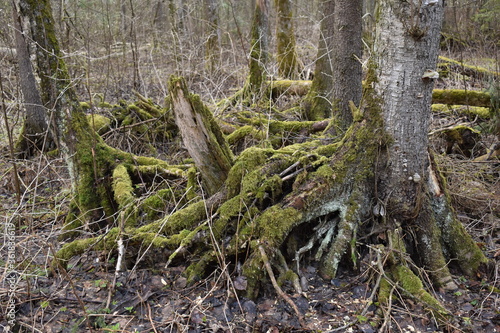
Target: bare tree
212,45
288,64
259,49
34,134
346,60
318,102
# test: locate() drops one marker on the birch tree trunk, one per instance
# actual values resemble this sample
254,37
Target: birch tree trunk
406,47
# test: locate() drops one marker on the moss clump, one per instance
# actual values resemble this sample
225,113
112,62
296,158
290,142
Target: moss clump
481,112
155,205
99,123
413,286
384,292
122,186
462,97
249,160
276,222
79,246
243,132
185,218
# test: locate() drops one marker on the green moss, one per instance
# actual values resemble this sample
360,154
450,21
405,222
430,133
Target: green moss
289,87
163,170
53,153
105,105
249,160
72,223
460,244
99,123
243,132
253,270
127,121
413,285
195,271
80,246
288,276
182,238
154,205
122,186
85,105
384,292
481,112
192,183
185,218
276,222
463,97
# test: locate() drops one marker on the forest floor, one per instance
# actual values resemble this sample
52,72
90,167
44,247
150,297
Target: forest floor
151,298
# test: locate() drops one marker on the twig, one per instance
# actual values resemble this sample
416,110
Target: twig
66,275
150,317
121,255
387,312
11,146
277,287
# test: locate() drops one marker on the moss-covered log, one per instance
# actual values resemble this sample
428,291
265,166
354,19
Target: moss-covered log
461,97
464,110
439,96
446,65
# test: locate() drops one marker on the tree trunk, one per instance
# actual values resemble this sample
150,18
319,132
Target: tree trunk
212,45
259,51
405,47
89,160
286,57
318,102
160,17
346,61
34,134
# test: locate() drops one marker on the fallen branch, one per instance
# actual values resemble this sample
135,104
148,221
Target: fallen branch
450,97
280,292
447,64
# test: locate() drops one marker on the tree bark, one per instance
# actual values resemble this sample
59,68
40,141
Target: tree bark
88,159
212,45
259,50
34,134
405,47
201,135
318,103
286,57
346,61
